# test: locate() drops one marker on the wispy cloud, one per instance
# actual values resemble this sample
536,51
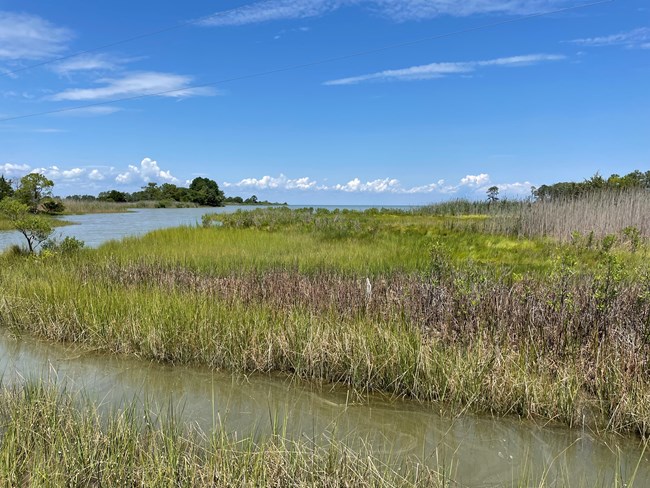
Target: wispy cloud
136,84
29,37
439,70
88,62
146,172
398,10
634,39
90,111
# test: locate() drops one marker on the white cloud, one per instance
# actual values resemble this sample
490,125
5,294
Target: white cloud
11,169
398,10
439,70
146,172
356,185
96,175
270,182
636,38
385,185
90,111
473,186
56,173
87,62
517,189
136,84
270,10
25,36
475,180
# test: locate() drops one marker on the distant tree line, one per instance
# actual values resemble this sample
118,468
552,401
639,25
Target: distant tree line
202,191
570,189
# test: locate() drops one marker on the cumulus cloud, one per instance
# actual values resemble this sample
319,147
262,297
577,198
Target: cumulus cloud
25,36
376,186
397,10
472,185
475,180
96,175
270,182
636,38
56,173
11,169
440,70
146,172
136,84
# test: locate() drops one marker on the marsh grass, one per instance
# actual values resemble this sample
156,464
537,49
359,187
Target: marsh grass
52,438
96,206
566,349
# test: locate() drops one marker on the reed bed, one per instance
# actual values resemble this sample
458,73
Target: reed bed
602,213
51,438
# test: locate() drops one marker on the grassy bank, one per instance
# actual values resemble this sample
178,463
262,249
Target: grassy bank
49,438
385,302
76,207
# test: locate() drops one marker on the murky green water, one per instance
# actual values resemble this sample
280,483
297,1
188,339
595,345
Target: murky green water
479,451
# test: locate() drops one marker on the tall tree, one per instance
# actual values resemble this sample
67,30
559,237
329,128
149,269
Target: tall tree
205,191
34,228
5,188
493,194
32,189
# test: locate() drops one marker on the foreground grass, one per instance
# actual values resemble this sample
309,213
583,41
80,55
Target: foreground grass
49,438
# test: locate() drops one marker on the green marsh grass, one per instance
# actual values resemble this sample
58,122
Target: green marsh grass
52,438
97,206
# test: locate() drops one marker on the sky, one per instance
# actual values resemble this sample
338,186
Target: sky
325,101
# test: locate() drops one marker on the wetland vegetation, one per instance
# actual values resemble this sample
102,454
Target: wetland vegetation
534,309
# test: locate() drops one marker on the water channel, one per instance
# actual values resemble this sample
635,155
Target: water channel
480,451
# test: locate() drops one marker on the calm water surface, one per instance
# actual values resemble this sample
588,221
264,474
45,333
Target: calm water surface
95,229
481,451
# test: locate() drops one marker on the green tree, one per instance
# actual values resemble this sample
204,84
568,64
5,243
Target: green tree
34,228
205,191
5,188
493,194
32,189
112,196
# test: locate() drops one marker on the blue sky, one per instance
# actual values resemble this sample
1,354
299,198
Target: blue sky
533,101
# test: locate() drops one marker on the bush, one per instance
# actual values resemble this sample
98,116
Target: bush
69,245
52,206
